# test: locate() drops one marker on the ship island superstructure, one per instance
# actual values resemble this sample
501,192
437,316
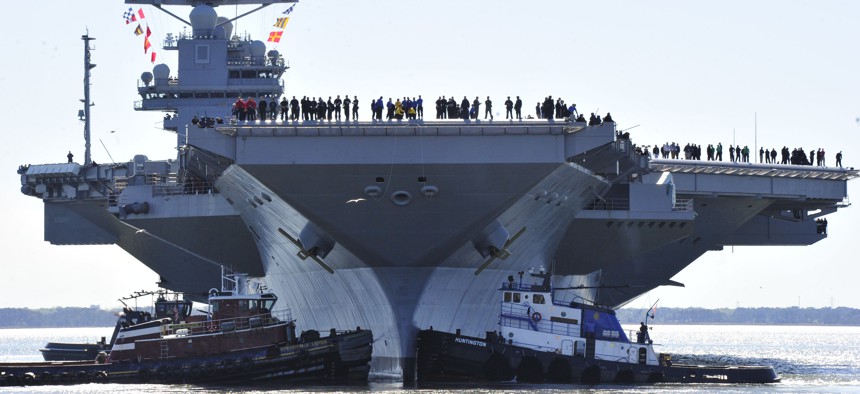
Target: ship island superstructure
399,225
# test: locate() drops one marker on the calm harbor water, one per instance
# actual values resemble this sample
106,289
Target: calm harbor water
810,359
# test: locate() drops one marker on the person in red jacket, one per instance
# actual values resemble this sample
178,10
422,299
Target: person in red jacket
239,109
251,108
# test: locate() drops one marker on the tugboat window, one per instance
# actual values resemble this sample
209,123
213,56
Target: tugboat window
538,299
507,296
517,297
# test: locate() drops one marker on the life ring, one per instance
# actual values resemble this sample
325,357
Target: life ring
536,317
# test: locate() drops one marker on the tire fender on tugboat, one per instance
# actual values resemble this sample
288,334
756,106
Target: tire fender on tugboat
247,364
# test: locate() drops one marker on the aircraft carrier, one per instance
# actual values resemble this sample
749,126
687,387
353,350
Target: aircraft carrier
398,226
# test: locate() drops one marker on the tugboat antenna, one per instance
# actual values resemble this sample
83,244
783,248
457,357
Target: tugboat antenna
87,104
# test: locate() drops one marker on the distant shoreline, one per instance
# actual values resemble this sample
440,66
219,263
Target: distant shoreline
791,316
70,317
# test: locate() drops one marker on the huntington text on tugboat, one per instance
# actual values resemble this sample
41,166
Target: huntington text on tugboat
547,335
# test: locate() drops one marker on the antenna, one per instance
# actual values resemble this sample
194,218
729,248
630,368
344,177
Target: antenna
87,104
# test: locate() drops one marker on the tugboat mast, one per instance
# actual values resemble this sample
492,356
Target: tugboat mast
85,116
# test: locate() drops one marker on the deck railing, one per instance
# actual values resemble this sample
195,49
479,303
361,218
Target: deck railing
228,325
522,317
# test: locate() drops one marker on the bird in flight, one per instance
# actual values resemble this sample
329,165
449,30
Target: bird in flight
355,200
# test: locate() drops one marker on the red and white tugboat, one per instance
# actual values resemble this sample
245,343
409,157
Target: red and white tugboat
543,339
242,340
175,308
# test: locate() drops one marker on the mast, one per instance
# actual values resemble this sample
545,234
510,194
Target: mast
86,115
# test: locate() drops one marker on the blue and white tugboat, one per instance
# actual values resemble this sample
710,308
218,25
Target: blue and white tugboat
543,339
242,340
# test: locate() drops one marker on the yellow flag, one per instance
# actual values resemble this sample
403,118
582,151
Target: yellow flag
282,22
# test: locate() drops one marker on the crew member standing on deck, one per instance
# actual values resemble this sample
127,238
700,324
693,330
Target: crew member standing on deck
70,156
518,108
346,103
642,335
263,108
419,107
251,109
294,108
489,109
273,108
509,105
285,107
354,107
337,105
239,109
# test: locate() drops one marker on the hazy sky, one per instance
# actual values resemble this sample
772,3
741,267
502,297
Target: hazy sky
683,71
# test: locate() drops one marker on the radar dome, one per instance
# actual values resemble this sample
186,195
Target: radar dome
258,49
162,73
227,25
220,33
258,52
203,18
146,77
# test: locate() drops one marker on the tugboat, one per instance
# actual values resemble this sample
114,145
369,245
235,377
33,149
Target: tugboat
242,340
542,339
175,308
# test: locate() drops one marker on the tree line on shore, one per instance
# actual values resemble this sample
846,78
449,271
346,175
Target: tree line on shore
96,317
841,316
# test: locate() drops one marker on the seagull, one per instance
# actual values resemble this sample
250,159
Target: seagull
355,200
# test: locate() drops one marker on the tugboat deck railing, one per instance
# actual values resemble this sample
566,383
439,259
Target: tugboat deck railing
228,325
519,316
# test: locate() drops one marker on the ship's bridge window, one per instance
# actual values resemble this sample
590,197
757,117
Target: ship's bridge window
507,296
267,305
538,299
516,297
201,53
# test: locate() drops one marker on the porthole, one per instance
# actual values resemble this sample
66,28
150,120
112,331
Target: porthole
401,198
373,191
429,191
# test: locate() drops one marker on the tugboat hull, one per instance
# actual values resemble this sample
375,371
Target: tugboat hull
451,357
341,357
